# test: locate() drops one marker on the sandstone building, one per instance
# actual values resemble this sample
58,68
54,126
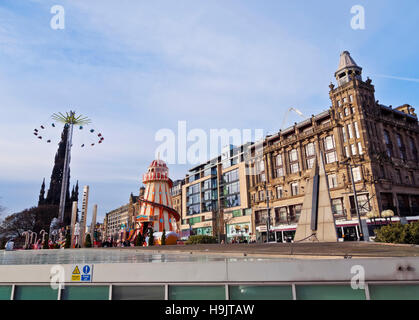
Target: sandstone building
379,142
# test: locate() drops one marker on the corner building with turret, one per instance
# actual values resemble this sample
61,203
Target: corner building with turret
378,142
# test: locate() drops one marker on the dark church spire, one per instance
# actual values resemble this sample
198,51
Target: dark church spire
54,191
42,194
76,192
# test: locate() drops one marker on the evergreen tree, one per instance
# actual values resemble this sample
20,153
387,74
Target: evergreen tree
88,242
46,240
163,238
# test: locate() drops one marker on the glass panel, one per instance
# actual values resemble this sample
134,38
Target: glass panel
196,293
394,292
137,292
35,293
260,292
85,293
329,292
5,292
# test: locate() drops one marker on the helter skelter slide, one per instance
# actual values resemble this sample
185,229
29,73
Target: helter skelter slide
156,208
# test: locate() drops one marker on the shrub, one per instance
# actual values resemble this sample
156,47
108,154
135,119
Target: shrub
398,233
201,239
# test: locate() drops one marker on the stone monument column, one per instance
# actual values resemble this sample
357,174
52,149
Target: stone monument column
73,222
84,215
93,224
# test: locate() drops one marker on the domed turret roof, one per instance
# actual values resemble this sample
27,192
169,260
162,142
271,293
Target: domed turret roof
346,62
158,163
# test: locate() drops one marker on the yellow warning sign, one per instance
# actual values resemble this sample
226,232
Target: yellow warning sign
75,277
76,270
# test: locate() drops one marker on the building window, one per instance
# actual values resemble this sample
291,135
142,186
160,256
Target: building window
294,188
361,152
261,195
401,146
346,151
357,174
351,98
351,135
363,204
260,170
294,213
293,156
345,138
346,110
333,180
389,145
281,215
413,149
329,146
279,166
337,207
310,154
353,149
278,160
279,192
357,135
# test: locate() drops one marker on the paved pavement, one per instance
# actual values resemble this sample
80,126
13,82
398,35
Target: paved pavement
353,249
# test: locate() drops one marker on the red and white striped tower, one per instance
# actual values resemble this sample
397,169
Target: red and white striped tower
157,206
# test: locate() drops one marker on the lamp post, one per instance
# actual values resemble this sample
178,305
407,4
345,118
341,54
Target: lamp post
268,222
361,231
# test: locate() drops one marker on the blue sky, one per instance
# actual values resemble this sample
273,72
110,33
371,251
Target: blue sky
135,67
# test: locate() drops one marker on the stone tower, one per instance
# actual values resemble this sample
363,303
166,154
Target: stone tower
53,195
353,100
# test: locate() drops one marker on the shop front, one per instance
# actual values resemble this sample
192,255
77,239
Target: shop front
238,232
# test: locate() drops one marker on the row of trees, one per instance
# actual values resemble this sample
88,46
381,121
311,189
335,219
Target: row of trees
34,219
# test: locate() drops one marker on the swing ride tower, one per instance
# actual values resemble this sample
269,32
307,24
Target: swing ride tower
69,119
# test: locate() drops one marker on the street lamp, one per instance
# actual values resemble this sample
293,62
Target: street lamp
268,223
361,231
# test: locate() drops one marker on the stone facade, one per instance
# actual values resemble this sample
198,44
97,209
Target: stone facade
378,142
